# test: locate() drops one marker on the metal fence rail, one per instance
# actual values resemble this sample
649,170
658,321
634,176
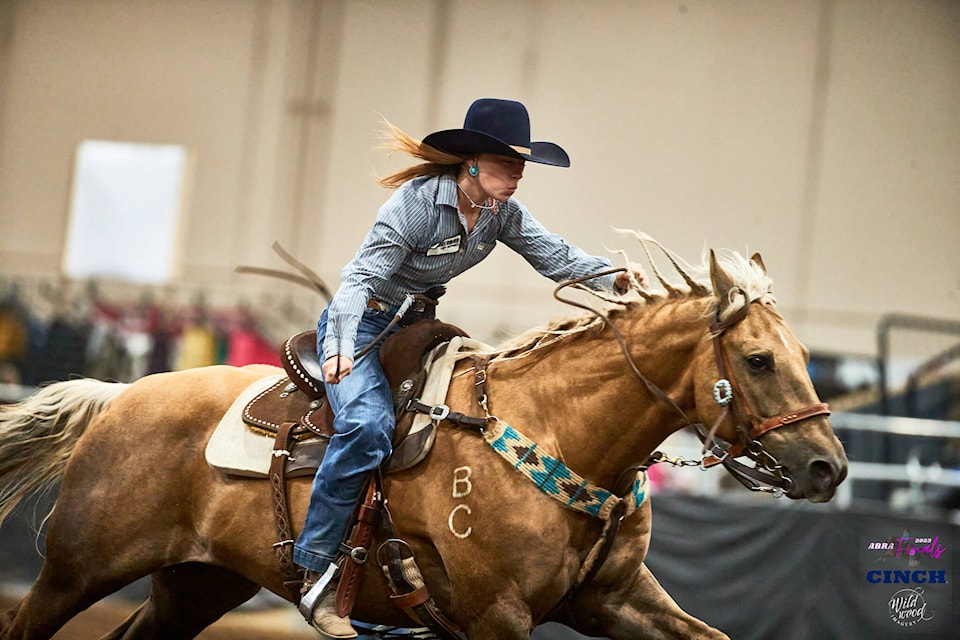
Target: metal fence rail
912,472
896,425
891,323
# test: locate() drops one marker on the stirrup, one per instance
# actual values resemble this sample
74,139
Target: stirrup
309,600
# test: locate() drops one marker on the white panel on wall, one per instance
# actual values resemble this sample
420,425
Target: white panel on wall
124,210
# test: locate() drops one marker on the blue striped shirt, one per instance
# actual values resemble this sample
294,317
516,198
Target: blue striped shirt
419,240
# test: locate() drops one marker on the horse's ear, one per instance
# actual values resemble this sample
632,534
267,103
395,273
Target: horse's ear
757,260
722,282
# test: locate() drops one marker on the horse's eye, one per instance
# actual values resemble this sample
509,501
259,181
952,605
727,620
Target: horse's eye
758,363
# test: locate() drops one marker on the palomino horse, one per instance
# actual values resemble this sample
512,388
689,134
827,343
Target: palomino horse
137,497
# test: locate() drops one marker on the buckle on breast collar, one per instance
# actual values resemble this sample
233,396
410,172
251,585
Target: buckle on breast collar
717,454
439,412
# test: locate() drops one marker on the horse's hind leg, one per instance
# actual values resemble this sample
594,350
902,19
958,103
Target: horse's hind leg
84,564
57,596
6,620
185,599
67,585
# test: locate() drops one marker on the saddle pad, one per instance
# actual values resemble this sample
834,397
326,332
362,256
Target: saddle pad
235,449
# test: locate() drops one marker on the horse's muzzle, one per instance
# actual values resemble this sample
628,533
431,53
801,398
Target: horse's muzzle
822,478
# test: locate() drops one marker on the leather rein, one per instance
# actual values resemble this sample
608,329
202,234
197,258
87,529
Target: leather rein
768,475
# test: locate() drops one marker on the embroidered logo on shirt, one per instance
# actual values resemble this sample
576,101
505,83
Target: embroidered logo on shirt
450,245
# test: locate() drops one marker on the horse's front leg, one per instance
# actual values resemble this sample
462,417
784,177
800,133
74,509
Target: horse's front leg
641,609
506,618
625,601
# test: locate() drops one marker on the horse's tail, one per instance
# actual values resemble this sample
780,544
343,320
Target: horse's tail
38,435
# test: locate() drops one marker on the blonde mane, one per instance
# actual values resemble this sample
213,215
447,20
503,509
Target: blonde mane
750,280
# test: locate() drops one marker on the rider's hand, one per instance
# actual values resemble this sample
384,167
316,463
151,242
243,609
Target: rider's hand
623,278
331,374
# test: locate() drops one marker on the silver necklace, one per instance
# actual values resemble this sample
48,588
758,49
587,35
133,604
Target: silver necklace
474,205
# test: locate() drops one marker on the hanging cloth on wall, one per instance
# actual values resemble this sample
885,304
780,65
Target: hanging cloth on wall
197,347
14,342
64,353
245,346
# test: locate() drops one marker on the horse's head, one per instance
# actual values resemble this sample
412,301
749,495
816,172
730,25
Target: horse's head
753,387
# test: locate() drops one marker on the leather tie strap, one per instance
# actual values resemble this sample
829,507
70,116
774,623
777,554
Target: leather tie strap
356,548
410,600
292,578
480,381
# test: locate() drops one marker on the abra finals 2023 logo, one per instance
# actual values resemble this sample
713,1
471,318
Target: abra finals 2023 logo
912,571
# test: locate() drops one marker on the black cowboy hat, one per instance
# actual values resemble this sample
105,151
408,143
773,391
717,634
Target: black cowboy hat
501,127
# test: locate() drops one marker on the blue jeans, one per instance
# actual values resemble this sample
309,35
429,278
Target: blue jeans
362,406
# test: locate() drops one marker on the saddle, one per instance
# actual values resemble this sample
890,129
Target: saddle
301,402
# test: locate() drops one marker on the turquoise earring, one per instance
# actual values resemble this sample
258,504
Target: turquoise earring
473,171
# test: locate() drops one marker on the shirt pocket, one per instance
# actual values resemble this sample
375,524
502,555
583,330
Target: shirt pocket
477,250
440,269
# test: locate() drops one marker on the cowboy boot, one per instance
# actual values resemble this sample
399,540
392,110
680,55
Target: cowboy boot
328,623
318,604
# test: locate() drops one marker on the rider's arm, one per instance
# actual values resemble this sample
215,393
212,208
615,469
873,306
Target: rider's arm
547,252
383,250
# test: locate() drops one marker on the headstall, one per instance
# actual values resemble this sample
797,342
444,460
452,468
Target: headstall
749,426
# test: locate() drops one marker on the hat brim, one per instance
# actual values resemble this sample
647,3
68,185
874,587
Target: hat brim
468,142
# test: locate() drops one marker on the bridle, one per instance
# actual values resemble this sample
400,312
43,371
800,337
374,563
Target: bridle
750,427
768,475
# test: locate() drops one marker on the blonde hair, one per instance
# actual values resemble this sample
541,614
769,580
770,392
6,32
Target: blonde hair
436,162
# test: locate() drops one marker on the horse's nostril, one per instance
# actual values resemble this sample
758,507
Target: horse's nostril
822,475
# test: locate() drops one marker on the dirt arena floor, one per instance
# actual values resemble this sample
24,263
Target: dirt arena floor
272,624
283,623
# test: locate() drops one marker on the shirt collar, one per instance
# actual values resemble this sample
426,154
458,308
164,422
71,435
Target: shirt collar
447,191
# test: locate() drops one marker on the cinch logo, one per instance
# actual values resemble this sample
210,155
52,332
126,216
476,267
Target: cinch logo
907,577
